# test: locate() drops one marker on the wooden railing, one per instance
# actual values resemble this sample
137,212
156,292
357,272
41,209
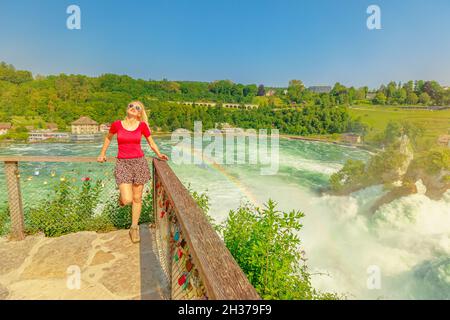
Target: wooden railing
194,258
193,255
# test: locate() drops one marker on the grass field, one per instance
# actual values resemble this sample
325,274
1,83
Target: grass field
435,123
20,121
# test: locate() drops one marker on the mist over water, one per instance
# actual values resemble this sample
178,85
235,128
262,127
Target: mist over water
407,240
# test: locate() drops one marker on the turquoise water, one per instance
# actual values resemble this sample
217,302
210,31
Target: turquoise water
406,242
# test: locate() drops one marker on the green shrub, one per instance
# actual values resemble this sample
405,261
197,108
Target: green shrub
4,222
351,174
434,161
70,209
74,208
266,245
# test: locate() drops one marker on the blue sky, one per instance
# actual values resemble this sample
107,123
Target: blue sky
247,41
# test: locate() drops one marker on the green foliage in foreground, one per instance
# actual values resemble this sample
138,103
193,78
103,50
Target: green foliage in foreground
4,221
265,244
72,208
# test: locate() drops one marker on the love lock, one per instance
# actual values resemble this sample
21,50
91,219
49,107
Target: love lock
189,265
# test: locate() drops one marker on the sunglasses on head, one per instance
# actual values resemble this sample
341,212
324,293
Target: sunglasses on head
138,108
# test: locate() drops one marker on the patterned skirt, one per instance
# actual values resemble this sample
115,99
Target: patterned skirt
134,171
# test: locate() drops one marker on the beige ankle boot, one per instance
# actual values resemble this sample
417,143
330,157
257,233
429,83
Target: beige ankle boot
134,234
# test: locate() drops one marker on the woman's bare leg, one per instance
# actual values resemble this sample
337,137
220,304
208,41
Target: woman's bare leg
126,193
137,203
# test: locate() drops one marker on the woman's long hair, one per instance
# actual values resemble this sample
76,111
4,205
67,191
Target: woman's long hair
143,117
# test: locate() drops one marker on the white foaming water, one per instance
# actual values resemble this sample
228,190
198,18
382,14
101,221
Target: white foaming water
312,165
407,234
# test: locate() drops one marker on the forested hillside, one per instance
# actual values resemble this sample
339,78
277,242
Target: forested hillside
294,110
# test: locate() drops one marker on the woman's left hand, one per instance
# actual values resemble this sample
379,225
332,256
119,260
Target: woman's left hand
163,157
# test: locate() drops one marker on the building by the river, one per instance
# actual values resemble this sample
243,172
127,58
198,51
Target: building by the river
85,125
85,129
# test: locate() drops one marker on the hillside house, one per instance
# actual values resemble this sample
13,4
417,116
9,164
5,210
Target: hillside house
85,125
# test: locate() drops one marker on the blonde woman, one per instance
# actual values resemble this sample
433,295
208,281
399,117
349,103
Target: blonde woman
132,170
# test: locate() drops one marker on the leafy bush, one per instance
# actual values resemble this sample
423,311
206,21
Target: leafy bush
72,209
350,175
434,161
69,210
265,244
4,221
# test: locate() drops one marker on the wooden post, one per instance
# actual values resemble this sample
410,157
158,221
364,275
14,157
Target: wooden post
15,200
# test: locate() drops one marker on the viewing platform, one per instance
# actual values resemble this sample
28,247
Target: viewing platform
180,255
110,267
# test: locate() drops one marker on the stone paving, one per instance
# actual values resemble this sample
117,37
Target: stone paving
111,267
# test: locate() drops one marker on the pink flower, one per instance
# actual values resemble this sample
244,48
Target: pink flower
85,179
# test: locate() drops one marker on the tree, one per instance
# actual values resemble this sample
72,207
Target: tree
409,87
295,90
424,98
261,91
412,98
400,96
434,90
391,89
380,98
340,93
393,131
350,175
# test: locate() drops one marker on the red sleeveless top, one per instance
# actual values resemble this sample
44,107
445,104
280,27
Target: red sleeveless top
129,141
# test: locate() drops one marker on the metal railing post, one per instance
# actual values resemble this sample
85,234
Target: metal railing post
15,200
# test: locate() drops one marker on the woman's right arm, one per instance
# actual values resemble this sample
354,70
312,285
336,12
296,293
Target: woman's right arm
102,156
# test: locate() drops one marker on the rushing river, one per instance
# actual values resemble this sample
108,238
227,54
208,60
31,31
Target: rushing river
401,251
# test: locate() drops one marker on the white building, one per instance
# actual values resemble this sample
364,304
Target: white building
85,125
